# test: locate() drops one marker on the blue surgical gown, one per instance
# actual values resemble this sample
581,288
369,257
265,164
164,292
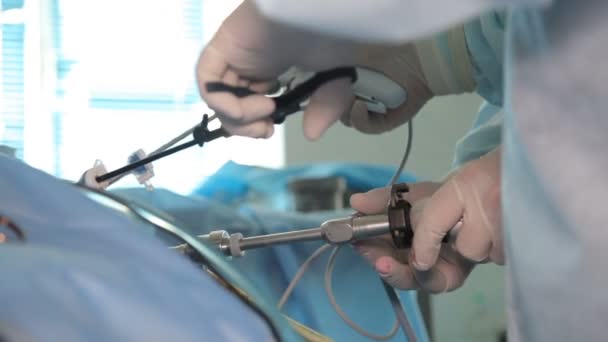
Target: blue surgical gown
553,147
553,128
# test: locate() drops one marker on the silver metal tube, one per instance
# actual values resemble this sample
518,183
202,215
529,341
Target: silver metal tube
281,238
369,226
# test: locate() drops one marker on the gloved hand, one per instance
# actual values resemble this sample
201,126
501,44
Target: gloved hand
440,65
472,194
402,65
250,51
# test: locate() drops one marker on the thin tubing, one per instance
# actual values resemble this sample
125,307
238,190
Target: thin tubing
328,289
392,295
299,274
332,299
406,155
401,315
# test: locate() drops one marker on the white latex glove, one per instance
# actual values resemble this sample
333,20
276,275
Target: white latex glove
395,265
401,64
251,51
472,194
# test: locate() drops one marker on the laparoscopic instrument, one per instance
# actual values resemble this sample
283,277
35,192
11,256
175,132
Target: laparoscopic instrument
395,222
377,91
335,232
380,95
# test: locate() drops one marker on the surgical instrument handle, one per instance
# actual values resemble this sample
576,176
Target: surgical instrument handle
200,134
337,231
285,105
365,227
290,102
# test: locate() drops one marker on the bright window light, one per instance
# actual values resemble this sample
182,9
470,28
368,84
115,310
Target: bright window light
125,80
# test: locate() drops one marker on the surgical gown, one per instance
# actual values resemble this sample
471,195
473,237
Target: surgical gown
554,161
554,172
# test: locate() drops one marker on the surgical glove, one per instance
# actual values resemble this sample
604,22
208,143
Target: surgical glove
440,65
471,194
402,65
394,265
250,51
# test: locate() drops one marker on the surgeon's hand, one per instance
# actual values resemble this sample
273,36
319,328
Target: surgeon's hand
250,51
401,64
472,194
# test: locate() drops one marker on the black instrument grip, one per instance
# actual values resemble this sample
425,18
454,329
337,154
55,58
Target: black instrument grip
214,87
400,225
289,103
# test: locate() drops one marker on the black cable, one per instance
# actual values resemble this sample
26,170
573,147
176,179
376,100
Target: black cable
406,155
289,102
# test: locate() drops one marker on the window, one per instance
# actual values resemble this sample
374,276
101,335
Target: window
119,76
11,85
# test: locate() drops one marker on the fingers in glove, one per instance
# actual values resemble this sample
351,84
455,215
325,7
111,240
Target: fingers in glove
480,235
375,201
474,239
372,202
358,108
326,106
262,87
449,273
373,249
492,218
213,68
438,215
375,123
258,129
231,78
396,274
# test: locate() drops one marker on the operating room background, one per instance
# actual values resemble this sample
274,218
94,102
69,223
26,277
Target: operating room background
71,94
476,311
